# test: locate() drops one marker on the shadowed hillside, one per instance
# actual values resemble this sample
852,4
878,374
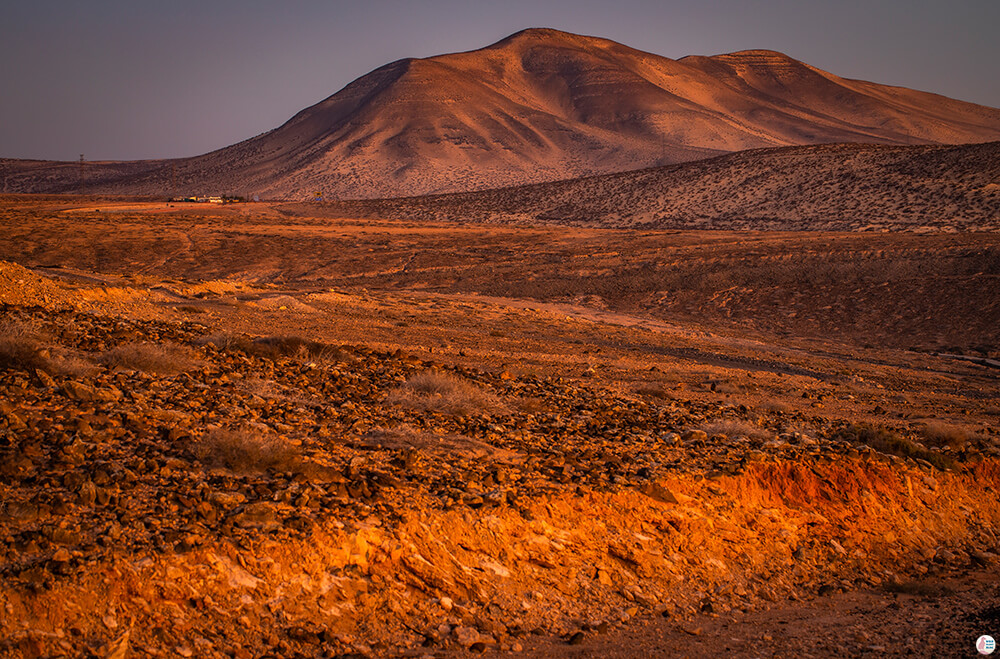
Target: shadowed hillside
830,187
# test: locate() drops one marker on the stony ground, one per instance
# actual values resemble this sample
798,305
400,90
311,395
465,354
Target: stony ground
365,458
191,474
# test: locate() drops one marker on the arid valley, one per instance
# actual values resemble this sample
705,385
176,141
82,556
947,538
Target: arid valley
551,348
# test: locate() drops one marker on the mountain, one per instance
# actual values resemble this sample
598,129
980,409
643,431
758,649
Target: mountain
833,187
539,105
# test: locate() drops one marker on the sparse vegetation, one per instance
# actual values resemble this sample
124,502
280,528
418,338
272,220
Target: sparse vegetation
652,389
888,441
20,348
436,391
24,347
418,444
736,428
775,407
272,347
167,359
880,182
943,435
245,450
588,474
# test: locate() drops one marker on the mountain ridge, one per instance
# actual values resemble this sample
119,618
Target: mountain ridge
536,106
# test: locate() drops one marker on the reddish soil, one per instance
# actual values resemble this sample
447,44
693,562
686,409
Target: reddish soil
575,442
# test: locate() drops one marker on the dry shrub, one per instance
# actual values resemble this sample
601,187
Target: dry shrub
21,347
775,407
227,341
434,391
245,450
24,347
68,362
271,390
167,359
722,387
267,389
330,355
273,347
736,428
532,405
449,446
653,390
943,435
887,441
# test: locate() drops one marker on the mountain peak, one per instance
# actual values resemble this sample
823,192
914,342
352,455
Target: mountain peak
759,59
549,36
547,33
543,104
762,54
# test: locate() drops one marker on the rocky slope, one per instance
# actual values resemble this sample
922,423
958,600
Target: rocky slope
169,489
819,188
540,105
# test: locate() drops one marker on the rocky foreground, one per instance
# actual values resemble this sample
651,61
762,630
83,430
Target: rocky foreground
168,490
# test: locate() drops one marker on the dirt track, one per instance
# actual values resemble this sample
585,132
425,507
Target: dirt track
930,617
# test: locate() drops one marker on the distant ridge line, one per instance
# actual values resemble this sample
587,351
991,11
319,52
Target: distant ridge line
833,187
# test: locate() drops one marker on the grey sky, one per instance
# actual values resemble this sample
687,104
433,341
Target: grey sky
117,79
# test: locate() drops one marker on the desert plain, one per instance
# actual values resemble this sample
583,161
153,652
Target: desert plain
283,429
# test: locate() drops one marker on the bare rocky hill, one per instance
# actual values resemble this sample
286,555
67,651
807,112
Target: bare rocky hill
841,187
540,105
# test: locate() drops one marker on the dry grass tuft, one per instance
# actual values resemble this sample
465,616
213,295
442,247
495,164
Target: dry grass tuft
244,450
887,441
23,347
653,390
447,446
273,347
532,405
227,341
434,391
737,428
168,359
69,363
943,435
775,406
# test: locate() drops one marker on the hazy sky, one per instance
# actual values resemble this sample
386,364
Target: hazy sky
126,79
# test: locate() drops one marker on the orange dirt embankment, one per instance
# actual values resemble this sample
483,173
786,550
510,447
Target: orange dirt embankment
778,530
